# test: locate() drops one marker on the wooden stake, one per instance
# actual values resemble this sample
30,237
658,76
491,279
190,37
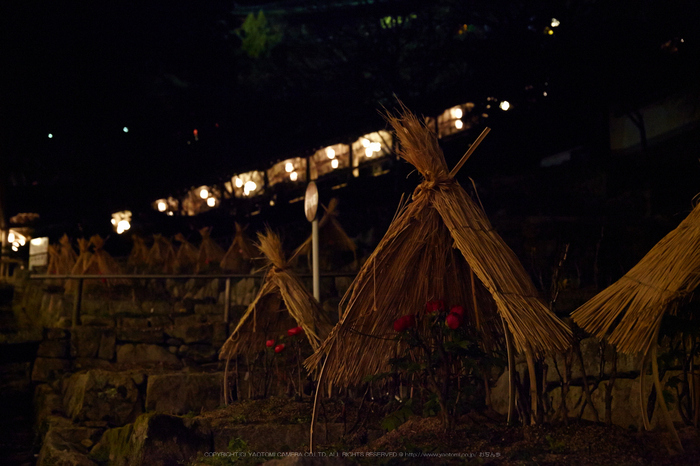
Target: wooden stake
533,385
511,373
469,152
660,396
642,397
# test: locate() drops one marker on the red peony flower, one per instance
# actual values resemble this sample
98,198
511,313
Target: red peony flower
279,348
270,343
434,306
402,323
295,331
453,320
459,310
300,330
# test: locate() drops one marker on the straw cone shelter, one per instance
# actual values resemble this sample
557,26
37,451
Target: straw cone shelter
332,236
430,251
103,263
161,256
67,256
209,252
54,265
629,312
138,257
238,258
281,303
83,264
186,255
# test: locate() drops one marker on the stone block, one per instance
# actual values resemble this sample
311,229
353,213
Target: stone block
85,342
220,333
108,342
145,354
208,309
124,307
156,307
99,395
47,369
53,333
96,321
198,353
53,349
140,335
193,333
182,393
80,364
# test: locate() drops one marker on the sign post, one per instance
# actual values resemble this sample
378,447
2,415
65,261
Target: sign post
311,210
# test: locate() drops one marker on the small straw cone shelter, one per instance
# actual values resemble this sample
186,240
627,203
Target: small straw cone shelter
83,264
332,236
186,255
54,265
104,263
238,258
138,257
629,312
438,246
282,302
67,256
209,252
161,256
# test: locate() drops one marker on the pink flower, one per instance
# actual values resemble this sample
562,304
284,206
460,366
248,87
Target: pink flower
453,320
434,306
270,343
459,310
279,348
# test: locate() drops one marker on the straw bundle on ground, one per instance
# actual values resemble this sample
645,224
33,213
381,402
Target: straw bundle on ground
138,257
281,303
67,256
186,256
629,312
104,263
210,253
415,262
161,256
238,258
83,264
332,237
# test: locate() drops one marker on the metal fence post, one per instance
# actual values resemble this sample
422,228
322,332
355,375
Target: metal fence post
76,304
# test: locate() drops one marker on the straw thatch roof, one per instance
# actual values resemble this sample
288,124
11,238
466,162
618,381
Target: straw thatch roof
103,263
240,254
186,255
629,311
281,303
430,250
332,236
210,253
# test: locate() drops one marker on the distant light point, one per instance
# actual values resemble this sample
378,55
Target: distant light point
555,22
50,136
125,129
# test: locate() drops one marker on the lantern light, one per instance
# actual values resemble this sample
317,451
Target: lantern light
369,152
555,22
505,105
36,241
14,248
334,163
211,202
204,193
330,152
293,176
239,182
122,226
289,168
365,142
459,124
196,134
170,213
11,237
249,187
162,206
22,241
458,113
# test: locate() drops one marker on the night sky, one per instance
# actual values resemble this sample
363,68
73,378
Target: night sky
83,71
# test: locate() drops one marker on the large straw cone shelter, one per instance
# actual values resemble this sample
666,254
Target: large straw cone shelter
629,312
332,236
281,303
186,255
209,252
161,256
432,247
238,258
54,265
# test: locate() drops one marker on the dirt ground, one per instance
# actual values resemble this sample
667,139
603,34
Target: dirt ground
476,439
